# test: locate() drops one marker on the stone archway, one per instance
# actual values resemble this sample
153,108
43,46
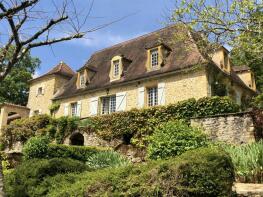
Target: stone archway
76,139
10,112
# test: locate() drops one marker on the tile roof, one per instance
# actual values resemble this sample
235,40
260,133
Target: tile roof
181,56
61,69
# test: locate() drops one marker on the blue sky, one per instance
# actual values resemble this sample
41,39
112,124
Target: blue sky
145,16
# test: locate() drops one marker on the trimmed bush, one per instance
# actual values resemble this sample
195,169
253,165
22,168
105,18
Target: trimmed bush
80,153
106,159
36,147
174,138
201,172
23,181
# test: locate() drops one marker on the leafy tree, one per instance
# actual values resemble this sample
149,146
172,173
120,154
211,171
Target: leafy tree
14,88
233,23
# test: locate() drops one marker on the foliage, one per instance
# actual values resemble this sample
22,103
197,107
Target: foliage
141,123
65,126
81,153
23,129
54,107
106,159
14,88
40,125
248,161
36,147
23,181
237,24
174,138
257,102
201,172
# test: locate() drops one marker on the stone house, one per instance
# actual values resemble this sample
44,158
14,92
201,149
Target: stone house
153,69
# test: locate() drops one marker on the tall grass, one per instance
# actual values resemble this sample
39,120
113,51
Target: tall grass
248,161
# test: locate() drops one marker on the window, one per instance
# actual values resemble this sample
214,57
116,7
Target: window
152,96
116,68
40,91
108,104
74,108
82,80
154,58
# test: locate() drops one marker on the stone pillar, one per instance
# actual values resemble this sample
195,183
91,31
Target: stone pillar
3,118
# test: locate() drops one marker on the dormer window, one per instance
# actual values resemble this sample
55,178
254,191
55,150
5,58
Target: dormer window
116,68
82,80
154,58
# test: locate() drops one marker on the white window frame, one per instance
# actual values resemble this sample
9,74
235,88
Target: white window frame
108,104
152,96
74,109
116,68
82,80
154,54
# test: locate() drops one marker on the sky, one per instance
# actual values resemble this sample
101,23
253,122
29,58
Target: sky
140,17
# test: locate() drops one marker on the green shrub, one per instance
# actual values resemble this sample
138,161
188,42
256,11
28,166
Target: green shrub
22,129
36,147
201,172
106,159
257,102
248,161
64,127
80,153
23,181
174,138
139,124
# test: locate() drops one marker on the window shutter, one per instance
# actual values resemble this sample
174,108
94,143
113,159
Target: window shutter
94,106
66,109
161,93
121,101
79,108
141,96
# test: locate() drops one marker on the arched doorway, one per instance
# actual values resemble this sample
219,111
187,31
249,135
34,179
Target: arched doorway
77,139
12,116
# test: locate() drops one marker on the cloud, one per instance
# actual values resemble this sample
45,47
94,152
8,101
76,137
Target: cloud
36,74
101,40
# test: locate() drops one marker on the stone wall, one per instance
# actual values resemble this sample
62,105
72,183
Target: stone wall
235,128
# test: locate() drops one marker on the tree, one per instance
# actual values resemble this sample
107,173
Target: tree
234,23
28,25
14,88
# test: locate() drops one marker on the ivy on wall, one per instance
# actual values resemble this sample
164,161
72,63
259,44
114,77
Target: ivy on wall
133,126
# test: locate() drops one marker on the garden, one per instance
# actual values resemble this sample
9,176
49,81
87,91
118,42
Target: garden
180,160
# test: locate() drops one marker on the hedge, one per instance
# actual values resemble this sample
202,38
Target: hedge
201,172
138,124
80,153
23,181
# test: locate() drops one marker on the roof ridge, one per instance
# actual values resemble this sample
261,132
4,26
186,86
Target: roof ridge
134,39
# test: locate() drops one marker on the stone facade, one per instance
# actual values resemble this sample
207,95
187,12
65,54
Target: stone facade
41,102
232,128
178,87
